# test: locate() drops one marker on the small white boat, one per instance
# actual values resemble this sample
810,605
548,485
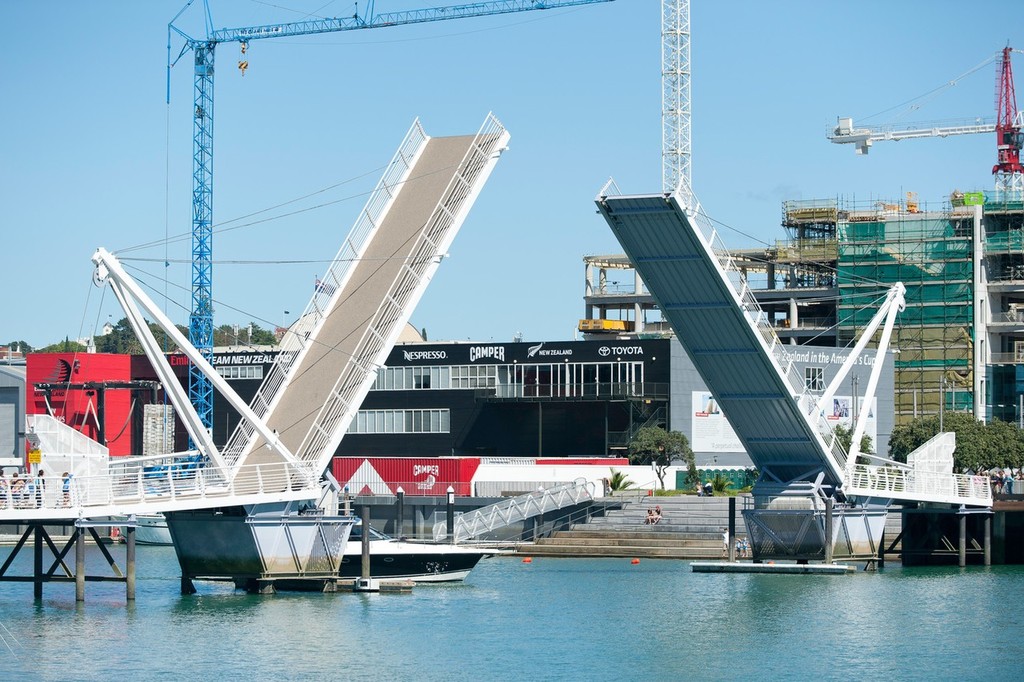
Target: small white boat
422,562
150,529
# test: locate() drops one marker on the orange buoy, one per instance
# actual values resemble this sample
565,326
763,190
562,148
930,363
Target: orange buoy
527,560
635,561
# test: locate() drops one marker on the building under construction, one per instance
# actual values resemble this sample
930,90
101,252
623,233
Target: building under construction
960,341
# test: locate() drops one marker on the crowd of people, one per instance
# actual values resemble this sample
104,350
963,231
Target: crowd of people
29,491
1005,481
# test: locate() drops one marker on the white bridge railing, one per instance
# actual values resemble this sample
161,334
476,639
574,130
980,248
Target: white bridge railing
866,480
156,484
514,510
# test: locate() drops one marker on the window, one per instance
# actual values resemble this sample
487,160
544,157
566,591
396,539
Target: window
401,421
243,372
814,378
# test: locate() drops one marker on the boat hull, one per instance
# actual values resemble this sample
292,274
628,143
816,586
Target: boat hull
152,530
236,543
418,562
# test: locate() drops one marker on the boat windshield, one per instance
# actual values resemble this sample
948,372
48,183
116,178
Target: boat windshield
357,533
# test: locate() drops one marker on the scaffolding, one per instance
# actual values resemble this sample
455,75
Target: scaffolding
931,253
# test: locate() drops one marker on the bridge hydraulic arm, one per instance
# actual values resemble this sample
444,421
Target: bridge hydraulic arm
894,304
130,295
201,319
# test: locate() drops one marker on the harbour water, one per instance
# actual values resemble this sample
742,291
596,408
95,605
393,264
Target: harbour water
552,619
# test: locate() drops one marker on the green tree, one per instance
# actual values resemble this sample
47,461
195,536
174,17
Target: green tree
978,445
20,347
65,346
122,339
246,335
261,336
844,435
654,445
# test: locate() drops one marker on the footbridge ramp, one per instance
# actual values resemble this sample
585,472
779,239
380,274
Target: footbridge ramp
741,362
328,359
707,301
330,356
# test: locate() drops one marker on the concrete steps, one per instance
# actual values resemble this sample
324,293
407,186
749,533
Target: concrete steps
690,528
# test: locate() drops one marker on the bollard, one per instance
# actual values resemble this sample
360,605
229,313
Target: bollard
364,514
450,515
400,513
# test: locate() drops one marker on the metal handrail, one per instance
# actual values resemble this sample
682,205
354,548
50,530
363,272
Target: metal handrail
157,484
890,481
516,509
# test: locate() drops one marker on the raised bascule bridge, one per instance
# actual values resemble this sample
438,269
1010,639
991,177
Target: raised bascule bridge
812,500
254,510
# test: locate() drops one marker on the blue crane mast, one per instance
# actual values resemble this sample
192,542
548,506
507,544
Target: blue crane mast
200,325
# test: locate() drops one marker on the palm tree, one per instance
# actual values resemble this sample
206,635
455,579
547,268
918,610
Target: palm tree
618,481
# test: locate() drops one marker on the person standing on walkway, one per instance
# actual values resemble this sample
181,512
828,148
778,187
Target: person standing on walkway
65,489
725,543
40,486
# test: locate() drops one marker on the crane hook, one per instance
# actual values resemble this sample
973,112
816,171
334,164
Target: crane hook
243,64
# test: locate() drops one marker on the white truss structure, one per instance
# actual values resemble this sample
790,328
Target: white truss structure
675,94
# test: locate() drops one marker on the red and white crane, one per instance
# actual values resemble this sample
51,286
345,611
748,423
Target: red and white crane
1009,173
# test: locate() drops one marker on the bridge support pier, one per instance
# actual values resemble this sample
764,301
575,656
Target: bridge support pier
828,530
948,537
962,545
732,529
129,560
988,540
37,562
56,567
79,565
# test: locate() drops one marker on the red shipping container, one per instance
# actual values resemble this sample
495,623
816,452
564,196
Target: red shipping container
416,476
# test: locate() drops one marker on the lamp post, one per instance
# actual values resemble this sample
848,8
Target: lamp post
942,401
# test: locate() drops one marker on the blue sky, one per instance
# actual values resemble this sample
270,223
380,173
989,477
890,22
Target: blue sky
91,155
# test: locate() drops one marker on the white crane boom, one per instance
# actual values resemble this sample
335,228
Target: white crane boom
863,137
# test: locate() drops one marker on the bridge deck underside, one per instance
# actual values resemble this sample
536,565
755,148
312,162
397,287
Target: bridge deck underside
685,279
353,310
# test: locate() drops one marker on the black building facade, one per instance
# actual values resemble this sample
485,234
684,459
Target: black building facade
550,399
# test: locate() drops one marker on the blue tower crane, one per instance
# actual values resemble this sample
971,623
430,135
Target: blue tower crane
200,324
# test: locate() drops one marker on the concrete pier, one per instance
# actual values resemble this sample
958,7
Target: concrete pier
780,568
